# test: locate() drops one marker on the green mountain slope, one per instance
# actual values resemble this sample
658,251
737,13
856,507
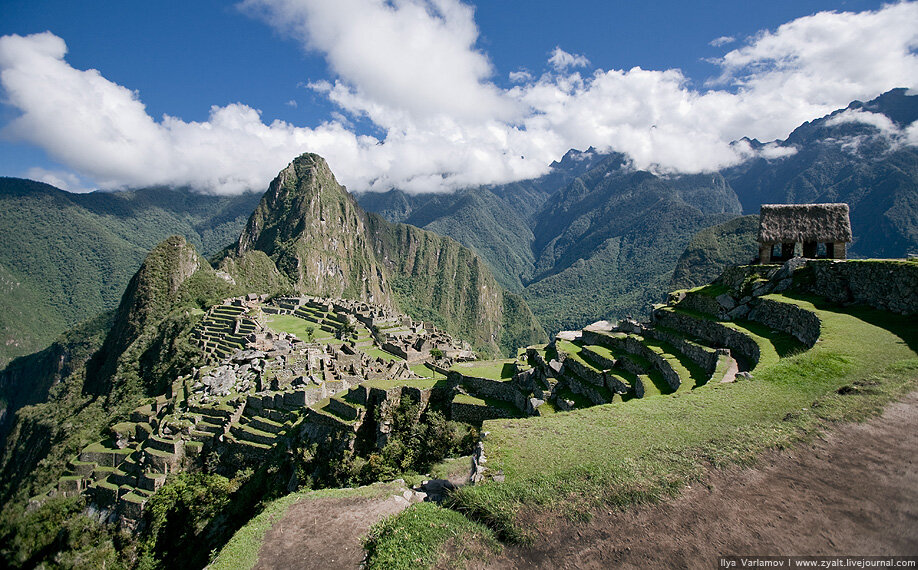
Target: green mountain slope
67,257
855,162
714,248
592,239
324,244
315,233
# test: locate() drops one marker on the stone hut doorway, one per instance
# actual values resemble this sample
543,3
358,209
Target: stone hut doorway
807,230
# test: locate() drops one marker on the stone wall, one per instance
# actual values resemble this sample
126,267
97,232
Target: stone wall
887,285
475,414
704,356
804,325
632,345
710,331
503,390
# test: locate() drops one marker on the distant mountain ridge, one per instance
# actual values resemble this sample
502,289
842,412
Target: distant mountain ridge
67,257
594,239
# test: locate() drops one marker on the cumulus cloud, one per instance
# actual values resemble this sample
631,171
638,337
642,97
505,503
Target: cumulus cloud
413,69
560,60
722,41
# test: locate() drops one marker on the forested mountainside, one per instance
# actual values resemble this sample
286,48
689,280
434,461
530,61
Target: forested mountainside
67,257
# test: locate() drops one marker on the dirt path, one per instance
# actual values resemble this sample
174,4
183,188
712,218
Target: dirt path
324,533
853,493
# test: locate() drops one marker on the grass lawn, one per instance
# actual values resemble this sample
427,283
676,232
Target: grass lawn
298,327
376,352
492,369
411,539
573,461
567,463
425,372
420,383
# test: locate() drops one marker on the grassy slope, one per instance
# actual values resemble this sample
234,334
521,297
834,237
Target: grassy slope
569,463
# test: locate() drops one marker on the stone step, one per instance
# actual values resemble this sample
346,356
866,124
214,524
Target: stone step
701,354
635,344
160,461
104,454
119,478
210,428
202,436
151,481
597,395
248,433
82,468
105,494
343,409
713,333
250,449
163,444
266,425
131,504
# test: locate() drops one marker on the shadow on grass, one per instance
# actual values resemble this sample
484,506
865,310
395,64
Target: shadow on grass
903,326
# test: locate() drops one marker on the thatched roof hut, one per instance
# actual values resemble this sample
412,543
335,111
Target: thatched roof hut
823,223
805,224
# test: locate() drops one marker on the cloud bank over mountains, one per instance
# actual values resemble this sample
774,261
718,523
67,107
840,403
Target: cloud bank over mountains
413,69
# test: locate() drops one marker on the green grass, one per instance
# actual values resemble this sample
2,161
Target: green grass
570,463
451,467
241,552
492,369
376,352
422,535
424,372
297,326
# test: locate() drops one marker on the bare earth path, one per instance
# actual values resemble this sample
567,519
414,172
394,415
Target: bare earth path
324,533
855,492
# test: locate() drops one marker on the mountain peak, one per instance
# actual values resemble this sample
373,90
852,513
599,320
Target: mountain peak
315,233
897,104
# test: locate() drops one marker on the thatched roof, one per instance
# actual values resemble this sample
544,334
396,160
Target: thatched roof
804,223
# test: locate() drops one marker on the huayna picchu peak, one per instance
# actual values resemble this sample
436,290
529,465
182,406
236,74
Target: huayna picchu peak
316,234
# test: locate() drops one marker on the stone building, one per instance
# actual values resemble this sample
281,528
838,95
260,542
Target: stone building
783,226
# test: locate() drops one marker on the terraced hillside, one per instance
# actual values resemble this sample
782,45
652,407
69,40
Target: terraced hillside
312,369
691,343
762,358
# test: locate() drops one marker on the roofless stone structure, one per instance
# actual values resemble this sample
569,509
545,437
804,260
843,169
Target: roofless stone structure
807,224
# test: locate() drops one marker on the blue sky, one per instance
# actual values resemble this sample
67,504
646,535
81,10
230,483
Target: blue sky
446,94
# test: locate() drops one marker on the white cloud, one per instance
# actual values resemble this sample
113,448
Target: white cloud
520,76
772,151
291,103
722,41
560,60
416,56
883,123
413,69
58,178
